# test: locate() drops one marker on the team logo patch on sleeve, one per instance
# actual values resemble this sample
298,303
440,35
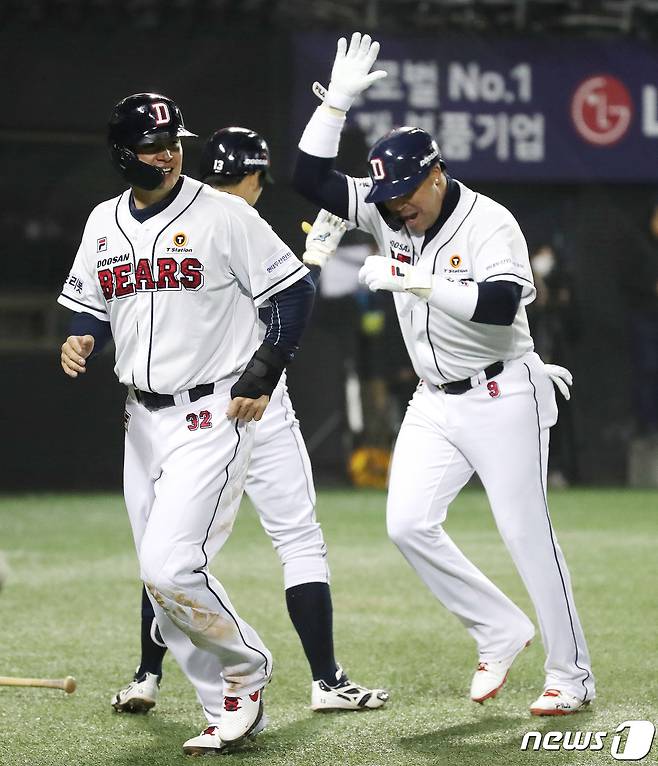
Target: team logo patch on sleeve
101,244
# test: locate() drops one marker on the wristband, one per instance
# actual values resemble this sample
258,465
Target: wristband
261,374
321,136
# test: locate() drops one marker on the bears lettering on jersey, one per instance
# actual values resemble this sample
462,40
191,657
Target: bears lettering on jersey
170,274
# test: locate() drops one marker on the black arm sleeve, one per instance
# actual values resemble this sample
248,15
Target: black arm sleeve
497,303
87,324
316,179
291,309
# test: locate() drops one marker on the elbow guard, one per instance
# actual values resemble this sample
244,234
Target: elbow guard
261,374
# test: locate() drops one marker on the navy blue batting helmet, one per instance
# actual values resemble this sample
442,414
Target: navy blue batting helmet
136,121
400,161
232,153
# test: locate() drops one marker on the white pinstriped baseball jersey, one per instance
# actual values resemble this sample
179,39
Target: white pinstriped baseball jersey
480,241
180,290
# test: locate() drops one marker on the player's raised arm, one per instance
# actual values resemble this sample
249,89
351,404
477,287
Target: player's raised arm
315,176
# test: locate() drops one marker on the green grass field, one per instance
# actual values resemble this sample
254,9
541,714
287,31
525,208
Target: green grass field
71,606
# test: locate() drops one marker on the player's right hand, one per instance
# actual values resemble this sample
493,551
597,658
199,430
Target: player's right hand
75,351
323,237
244,408
350,74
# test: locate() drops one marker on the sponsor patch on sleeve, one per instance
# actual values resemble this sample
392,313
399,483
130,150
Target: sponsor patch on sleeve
272,264
75,282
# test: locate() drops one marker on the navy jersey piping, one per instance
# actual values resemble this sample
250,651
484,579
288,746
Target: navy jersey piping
148,361
202,569
276,284
552,537
132,250
508,274
427,322
80,303
356,202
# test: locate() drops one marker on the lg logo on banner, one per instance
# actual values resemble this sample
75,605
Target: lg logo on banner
601,109
632,740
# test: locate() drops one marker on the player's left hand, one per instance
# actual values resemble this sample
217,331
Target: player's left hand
247,409
350,74
561,378
323,238
379,273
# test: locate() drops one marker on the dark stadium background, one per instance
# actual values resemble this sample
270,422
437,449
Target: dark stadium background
66,63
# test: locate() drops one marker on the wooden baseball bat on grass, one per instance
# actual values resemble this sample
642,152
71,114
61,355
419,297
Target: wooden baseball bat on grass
68,684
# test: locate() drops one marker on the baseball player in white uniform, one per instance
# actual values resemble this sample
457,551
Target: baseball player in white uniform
175,272
279,480
457,264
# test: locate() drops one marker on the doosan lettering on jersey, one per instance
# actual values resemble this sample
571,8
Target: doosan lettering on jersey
140,284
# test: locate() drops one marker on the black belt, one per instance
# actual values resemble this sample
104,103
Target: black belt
462,386
154,402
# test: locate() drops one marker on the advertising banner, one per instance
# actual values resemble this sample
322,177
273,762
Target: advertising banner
517,109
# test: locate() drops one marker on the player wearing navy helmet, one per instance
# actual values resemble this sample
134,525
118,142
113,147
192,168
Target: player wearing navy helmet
458,267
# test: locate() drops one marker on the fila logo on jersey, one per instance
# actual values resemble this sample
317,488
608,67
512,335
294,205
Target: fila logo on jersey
122,281
396,272
400,256
101,244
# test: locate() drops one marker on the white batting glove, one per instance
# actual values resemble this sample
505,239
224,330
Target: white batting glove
322,238
350,74
379,273
561,378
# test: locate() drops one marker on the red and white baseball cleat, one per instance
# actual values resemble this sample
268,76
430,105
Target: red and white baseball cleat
490,676
210,743
240,716
557,702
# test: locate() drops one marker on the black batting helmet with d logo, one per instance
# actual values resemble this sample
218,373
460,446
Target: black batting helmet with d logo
138,120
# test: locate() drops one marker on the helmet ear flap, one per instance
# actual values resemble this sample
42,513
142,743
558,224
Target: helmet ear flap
136,172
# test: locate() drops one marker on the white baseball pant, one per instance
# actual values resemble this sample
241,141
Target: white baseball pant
183,484
280,485
504,439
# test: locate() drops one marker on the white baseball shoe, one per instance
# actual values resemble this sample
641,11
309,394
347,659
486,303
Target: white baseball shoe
210,743
557,702
139,696
345,695
491,675
240,716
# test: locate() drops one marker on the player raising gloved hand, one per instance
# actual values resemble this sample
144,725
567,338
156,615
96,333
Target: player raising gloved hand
350,74
457,264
